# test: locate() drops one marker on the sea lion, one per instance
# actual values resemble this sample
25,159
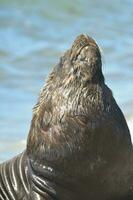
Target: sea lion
79,145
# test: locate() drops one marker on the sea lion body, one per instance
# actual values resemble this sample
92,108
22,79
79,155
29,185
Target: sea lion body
79,145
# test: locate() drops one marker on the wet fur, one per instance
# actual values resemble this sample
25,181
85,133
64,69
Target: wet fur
79,145
73,105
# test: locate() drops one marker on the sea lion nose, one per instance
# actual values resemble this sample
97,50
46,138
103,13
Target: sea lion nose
83,40
80,42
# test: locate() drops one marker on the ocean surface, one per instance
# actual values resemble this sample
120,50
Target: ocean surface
35,33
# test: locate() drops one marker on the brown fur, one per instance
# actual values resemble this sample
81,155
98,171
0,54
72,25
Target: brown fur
77,127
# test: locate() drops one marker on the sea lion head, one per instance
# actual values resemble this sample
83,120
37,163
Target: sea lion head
83,61
61,118
86,58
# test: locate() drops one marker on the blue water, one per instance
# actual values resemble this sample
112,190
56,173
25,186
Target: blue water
33,35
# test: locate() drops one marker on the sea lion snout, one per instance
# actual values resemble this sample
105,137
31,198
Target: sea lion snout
81,63
81,42
86,58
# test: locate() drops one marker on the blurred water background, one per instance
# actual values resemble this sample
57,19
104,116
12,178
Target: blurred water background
33,35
